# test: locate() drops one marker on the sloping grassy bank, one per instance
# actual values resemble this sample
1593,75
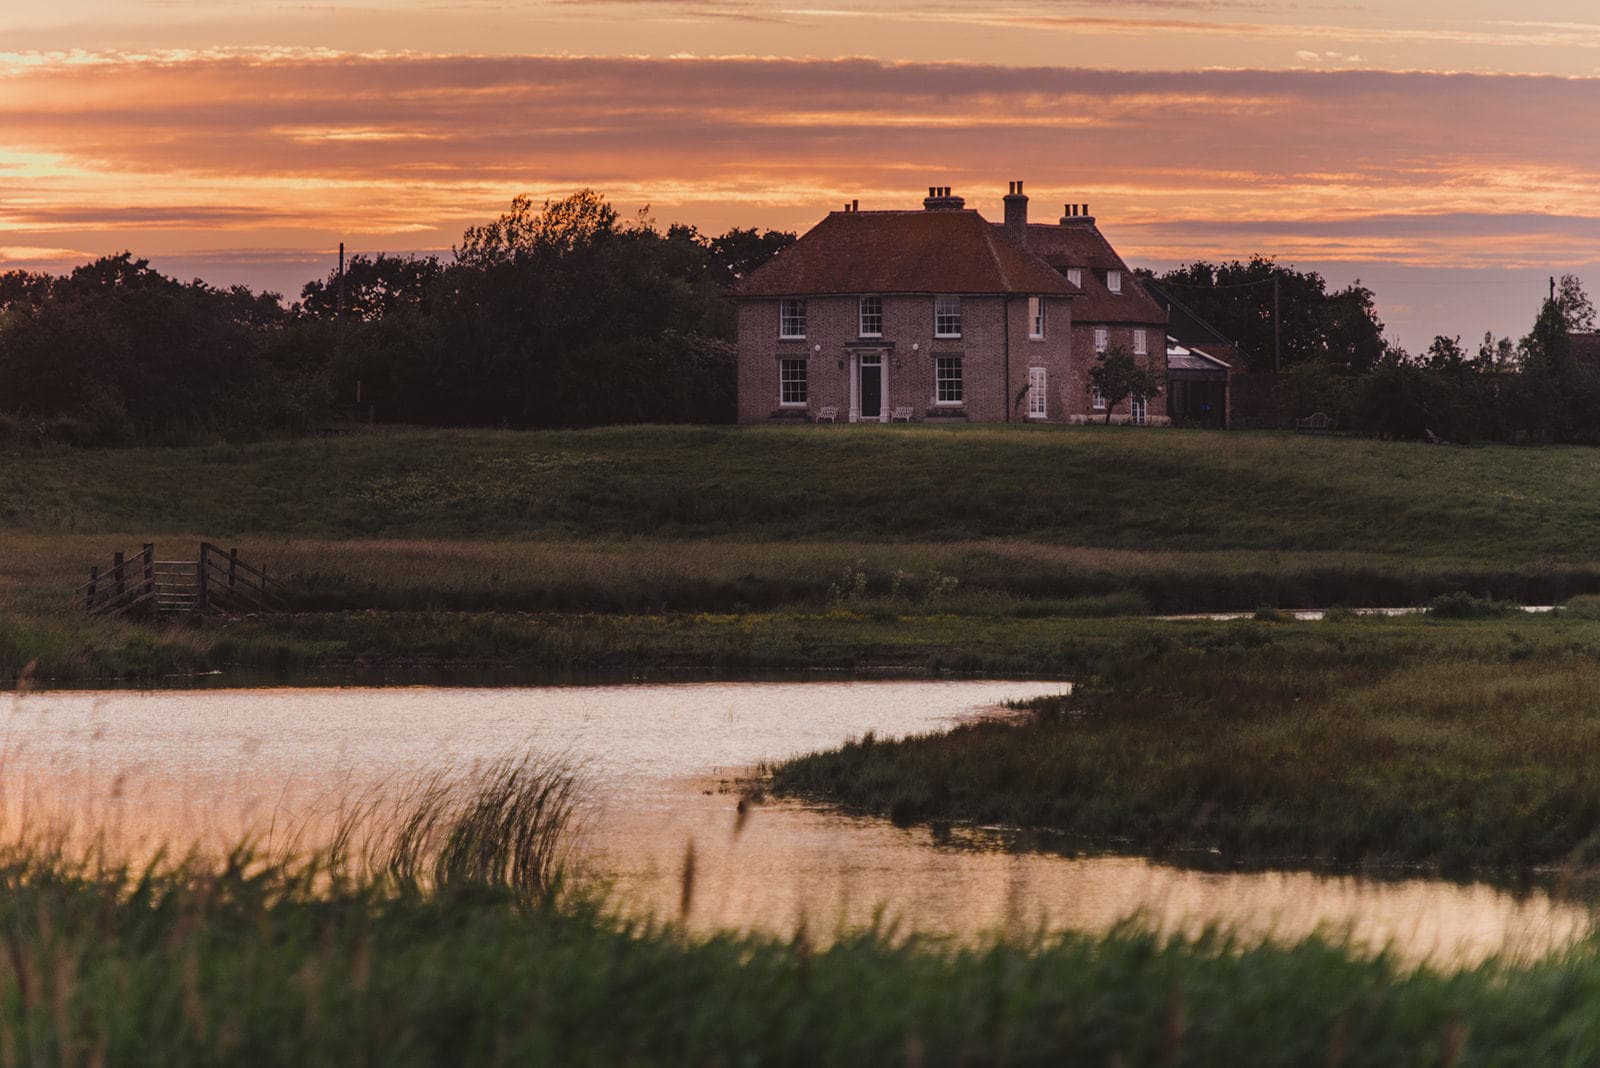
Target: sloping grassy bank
1105,488
1458,746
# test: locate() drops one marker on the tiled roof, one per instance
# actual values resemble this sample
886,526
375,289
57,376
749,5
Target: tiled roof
955,252
1080,244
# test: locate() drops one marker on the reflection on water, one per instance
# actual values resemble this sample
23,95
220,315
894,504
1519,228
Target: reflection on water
210,765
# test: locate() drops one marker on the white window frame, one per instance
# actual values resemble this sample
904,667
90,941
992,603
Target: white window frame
946,308
1036,318
941,381
1141,343
862,314
1038,393
785,365
791,310
1138,411
1114,281
1075,276
1102,339
1097,399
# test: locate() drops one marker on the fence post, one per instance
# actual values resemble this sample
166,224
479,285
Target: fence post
119,574
233,567
204,565
94,582
149,569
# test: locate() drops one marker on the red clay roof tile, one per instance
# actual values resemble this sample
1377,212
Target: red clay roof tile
904,252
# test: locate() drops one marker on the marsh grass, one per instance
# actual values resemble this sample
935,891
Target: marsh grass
1457,746
328,957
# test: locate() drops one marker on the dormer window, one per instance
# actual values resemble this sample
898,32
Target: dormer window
1075,276
792,319
871,317
1114,281
946,316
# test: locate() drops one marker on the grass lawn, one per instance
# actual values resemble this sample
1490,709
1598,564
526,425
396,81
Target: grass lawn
1090,487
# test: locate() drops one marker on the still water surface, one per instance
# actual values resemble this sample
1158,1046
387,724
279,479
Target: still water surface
180,766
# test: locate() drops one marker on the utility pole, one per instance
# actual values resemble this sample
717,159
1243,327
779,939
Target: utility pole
1552,287
341,282
1277,327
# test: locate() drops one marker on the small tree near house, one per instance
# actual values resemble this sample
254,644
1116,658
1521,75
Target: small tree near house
1118,376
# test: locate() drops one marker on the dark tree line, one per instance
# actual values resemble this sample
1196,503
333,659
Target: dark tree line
1334,358
556,315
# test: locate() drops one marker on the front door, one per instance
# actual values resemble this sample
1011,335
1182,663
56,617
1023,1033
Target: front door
871,385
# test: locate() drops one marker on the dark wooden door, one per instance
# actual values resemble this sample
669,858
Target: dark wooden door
871,387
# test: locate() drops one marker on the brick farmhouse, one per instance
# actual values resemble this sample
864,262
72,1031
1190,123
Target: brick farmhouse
939,314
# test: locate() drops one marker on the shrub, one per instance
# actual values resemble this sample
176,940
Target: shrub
1462,605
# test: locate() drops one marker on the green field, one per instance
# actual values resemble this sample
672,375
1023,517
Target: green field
1089,487
530,533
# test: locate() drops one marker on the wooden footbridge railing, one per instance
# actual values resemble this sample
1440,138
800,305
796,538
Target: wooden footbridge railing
217,581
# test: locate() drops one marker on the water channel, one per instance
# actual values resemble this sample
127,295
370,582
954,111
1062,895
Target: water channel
182,766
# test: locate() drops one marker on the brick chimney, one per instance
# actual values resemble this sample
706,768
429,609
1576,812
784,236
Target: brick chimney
1017,214
1077,215
939,198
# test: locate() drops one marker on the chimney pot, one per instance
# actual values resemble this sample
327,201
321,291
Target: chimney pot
855,205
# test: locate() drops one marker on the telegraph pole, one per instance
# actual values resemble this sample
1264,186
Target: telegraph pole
1277,327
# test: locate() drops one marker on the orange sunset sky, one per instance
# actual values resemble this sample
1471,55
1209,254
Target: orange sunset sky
1445,153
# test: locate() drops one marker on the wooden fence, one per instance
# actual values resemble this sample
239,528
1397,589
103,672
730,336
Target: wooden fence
216,581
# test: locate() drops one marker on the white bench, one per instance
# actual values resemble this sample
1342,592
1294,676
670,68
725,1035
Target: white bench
900,415
828,414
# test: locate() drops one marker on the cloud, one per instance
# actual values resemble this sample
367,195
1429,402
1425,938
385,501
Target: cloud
280,147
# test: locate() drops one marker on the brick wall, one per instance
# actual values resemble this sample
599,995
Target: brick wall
1082,409
992,326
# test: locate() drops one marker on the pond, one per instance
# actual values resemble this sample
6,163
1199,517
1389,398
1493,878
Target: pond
210,765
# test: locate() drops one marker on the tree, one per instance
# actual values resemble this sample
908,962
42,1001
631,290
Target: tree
738,252
373,287
1575,306
1445,354
1118,376
558,226
1340,328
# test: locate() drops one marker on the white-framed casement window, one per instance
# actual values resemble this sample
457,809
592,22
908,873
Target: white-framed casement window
792,383
1114,281
1136,411
1097,399
1036,317
871,316
947,380
1037,402
1102,339
1141,346
1075,276
791,318
946,316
